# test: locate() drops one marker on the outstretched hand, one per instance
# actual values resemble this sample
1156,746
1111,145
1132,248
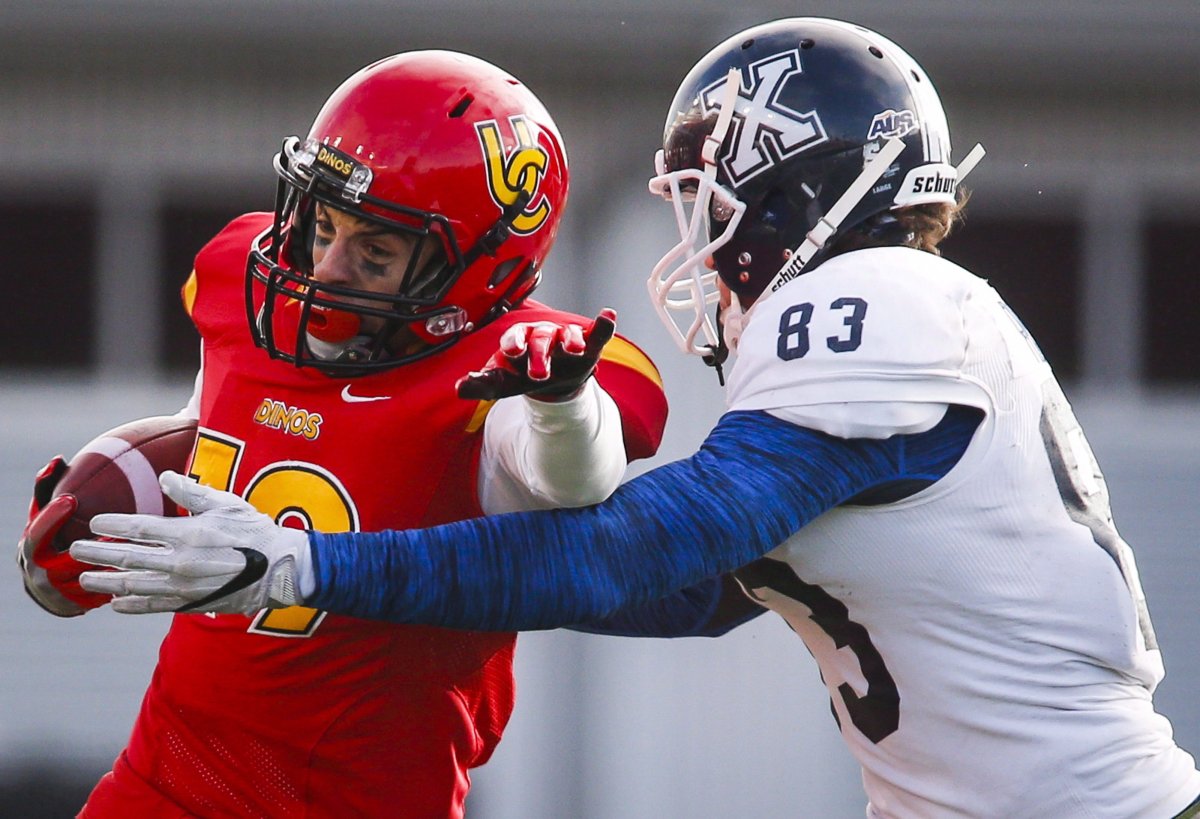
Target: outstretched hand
545,360
226,557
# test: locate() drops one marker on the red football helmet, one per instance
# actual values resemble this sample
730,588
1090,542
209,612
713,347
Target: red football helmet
435,144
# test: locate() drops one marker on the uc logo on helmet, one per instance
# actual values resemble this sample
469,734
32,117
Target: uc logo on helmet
512,172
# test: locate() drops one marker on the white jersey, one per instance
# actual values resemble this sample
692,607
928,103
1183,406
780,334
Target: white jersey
985,642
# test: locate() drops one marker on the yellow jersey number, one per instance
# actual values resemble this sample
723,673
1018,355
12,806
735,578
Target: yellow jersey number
291,492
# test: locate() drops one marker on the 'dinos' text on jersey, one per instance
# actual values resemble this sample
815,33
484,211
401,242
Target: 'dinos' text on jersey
292,420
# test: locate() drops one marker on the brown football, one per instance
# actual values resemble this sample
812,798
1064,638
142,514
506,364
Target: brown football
118,472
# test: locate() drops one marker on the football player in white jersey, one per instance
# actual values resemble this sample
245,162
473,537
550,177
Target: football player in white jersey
898,475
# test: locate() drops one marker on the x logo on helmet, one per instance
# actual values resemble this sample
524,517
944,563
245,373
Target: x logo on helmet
765,130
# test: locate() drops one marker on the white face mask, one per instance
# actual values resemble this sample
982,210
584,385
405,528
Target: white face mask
682,281
682,287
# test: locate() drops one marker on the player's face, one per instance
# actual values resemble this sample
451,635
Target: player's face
351,252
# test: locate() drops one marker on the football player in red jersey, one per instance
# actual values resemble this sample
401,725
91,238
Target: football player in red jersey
905,485
371,359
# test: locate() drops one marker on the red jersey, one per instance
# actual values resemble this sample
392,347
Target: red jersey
295,713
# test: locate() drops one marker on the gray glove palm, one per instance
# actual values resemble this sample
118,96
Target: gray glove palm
227,557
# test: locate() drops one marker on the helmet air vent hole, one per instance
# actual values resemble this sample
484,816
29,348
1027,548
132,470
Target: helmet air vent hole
807,43
502,270
461,107
916,76
876,52
747,44
744,276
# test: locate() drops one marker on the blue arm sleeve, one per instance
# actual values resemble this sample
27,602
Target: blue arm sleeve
717,605
754,482
711,608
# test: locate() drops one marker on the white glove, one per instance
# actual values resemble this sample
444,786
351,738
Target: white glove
227,557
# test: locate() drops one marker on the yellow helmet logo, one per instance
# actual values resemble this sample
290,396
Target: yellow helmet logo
512,172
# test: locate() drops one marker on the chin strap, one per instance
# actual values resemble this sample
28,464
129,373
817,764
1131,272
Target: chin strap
712,142
969,162
718,353
828,224
735,317
730,323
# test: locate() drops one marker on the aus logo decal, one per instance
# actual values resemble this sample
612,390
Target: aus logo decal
511,173
892,124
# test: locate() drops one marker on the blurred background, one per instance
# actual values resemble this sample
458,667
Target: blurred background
132,130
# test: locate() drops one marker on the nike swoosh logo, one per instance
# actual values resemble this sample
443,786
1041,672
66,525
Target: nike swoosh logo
350,398
251,573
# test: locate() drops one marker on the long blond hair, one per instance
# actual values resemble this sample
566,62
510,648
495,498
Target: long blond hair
923,227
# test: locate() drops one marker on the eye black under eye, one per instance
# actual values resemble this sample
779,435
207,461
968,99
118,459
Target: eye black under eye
377,269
